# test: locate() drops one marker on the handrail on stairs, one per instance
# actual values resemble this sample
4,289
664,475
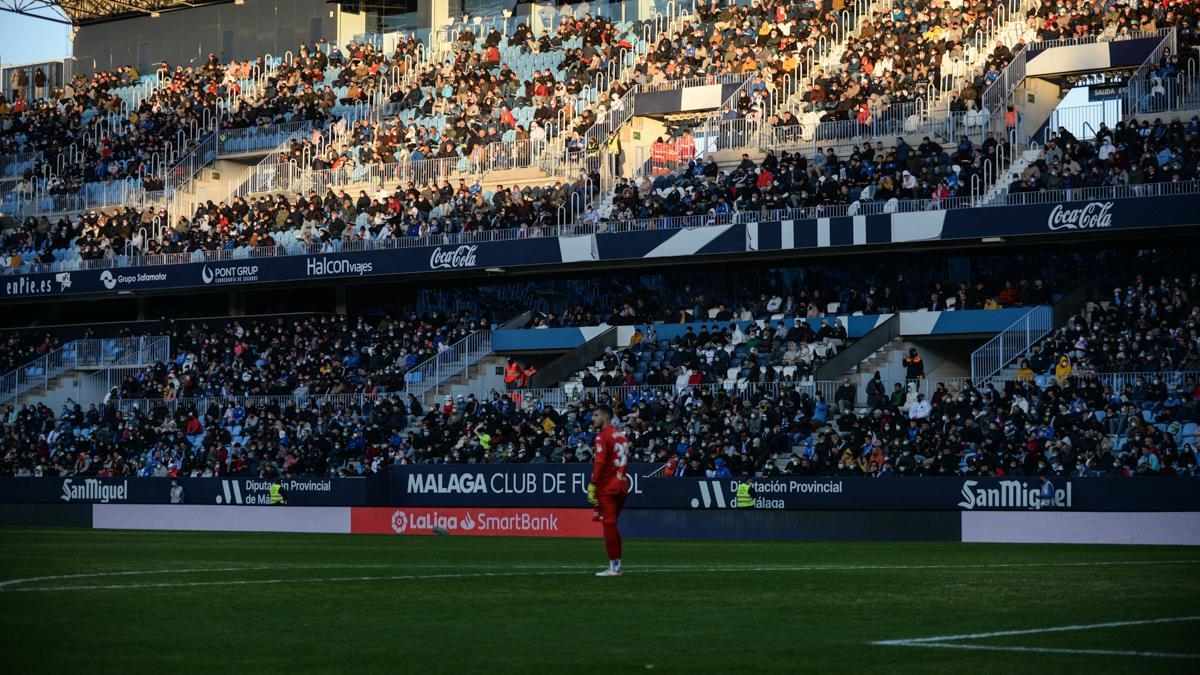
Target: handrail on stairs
451,361
85,353
1013,342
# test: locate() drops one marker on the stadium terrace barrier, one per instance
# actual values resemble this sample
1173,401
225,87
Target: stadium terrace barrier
317,519
1086,211
1049,527
564,486
215,491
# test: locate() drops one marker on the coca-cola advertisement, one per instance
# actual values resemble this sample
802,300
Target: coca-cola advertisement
461,257
1090,216
480,522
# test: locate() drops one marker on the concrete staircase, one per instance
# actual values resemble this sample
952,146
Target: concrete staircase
465,364
480,378
887,360
1000,185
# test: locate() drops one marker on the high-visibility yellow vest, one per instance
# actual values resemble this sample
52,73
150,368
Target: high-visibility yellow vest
277,494
744,500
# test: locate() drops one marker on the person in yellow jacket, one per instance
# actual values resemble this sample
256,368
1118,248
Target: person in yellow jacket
745,495
1063,370
278,495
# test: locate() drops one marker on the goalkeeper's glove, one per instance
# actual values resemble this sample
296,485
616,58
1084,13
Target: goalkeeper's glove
592,494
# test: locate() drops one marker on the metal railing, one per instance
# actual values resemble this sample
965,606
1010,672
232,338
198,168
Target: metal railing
1011,343
1141,80
131,364
451,361
181,174
258,138
127,192
200,404
14,164
291,177
1079,120
701,81
77,354
995,97
665,223
1043,45
560,397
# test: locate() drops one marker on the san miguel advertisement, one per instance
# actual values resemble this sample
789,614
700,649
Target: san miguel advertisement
228,491
483,522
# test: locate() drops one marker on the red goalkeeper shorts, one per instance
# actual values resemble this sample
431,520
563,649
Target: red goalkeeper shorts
610,506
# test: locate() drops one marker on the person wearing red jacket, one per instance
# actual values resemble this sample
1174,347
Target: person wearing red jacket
610,484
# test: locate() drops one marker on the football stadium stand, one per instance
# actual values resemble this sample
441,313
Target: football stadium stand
382,169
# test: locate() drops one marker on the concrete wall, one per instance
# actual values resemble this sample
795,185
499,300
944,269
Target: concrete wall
1042,527
1046,97
188,36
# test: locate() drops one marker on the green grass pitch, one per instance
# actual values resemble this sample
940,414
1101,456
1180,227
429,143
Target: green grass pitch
86,601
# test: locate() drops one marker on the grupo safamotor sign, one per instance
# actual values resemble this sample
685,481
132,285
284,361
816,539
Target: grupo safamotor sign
565,486
1061,219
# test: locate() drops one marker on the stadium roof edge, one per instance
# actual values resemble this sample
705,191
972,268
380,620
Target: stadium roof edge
83,12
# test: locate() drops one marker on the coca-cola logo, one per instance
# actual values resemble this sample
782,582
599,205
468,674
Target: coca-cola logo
1092,216
458,258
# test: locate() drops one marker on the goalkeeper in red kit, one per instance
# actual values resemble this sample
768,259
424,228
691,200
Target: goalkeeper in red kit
609,484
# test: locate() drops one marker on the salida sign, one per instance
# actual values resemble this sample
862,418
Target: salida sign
484,522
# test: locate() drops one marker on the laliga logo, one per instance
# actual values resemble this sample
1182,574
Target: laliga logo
463,256
108,280
1094,215
399,522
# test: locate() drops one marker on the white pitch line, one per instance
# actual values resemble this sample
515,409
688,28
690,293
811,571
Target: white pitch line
527,570
1045,650
93,575
1036,631
952,641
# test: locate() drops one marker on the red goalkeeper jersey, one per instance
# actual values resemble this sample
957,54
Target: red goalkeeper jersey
612,458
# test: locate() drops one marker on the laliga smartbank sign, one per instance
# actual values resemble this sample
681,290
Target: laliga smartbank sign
482,522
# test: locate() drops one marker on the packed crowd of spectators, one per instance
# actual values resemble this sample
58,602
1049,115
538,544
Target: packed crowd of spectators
1147,325
86,118
484,93
292,359
19,348
1066,19
326,221
869,174
1047,419
1076,428
314,355
820,291
899,56
763,41
1129,153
